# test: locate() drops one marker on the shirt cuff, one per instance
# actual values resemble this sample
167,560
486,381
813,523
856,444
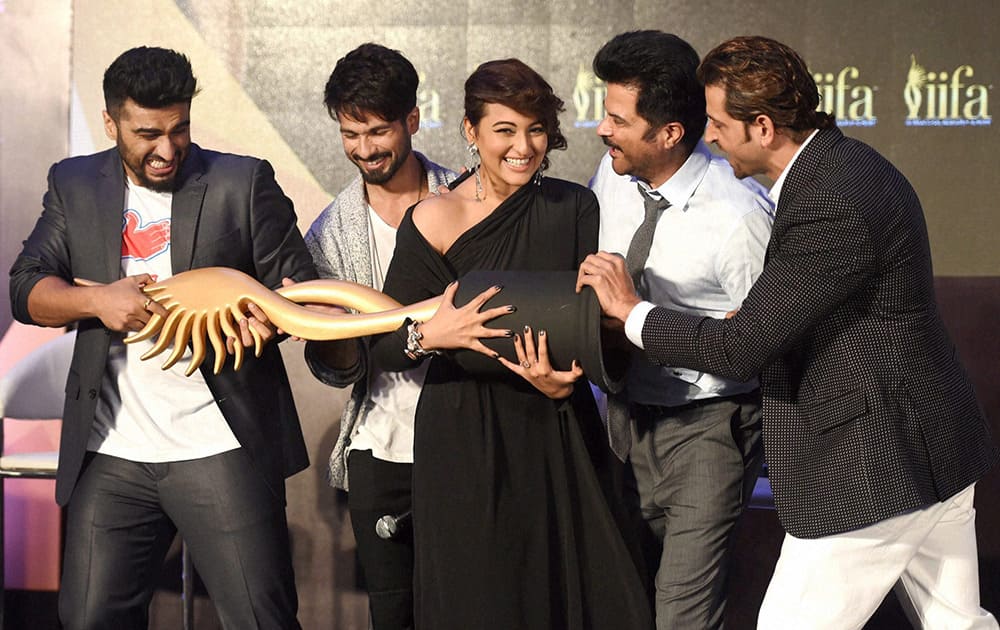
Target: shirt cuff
636,320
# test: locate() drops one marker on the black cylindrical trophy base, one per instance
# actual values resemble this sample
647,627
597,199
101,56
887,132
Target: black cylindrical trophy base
545,300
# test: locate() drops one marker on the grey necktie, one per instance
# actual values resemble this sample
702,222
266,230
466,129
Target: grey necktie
619,422
642,240
619,431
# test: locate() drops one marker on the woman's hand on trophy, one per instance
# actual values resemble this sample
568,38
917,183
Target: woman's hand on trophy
534,366
454,327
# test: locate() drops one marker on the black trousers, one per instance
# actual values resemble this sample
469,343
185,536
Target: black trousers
380,488
123,516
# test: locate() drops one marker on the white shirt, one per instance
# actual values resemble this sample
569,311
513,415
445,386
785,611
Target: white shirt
144,413
779,183
707,251
387,428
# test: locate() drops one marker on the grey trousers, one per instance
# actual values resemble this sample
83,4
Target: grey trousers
694,469
123,516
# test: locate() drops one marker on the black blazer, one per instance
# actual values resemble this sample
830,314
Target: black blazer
227,211
867,410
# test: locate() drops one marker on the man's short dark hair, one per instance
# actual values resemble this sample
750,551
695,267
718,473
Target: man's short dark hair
152,77
662,68
372,78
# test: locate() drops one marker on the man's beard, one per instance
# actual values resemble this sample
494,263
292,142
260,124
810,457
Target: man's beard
139,171
382,176
160,186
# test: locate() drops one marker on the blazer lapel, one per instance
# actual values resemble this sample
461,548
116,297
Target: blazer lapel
109,206
185,211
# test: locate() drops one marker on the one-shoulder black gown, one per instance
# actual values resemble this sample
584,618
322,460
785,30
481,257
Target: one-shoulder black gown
513,528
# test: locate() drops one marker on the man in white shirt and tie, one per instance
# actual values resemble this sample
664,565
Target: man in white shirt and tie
696,245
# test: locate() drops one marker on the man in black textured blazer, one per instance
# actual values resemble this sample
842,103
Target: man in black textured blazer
145,453
872,432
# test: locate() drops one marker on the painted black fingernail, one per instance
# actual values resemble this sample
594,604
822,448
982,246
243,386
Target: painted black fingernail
527,329
509,333
511,308
498,287
541,333
516,336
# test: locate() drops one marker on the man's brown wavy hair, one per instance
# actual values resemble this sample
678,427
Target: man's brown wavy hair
763,76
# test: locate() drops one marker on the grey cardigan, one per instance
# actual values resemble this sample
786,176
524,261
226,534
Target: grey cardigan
339,243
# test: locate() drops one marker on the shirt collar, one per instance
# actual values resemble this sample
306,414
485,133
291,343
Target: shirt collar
681,185
775,191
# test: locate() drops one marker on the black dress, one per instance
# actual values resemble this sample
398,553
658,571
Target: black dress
513,527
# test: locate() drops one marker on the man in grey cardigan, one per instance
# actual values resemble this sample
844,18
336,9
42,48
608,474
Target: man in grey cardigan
372,95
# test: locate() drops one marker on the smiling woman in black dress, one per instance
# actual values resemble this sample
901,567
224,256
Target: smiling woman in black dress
512,528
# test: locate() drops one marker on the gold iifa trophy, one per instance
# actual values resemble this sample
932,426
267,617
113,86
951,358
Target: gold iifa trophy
204,305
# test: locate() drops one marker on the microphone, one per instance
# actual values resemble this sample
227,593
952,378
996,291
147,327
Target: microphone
388,526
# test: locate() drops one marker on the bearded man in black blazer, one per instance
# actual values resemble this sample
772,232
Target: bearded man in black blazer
872,432
146,453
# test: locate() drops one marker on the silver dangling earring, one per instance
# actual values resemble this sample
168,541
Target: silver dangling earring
538,177
474,152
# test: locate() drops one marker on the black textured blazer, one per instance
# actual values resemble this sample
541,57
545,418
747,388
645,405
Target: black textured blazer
867,410
228,211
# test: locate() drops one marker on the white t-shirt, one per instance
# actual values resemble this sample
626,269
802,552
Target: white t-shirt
387,428
144,413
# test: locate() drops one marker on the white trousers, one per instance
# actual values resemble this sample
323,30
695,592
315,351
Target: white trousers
836,582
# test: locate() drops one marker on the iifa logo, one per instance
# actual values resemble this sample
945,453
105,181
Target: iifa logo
850,103
938,98
429,102
588,98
